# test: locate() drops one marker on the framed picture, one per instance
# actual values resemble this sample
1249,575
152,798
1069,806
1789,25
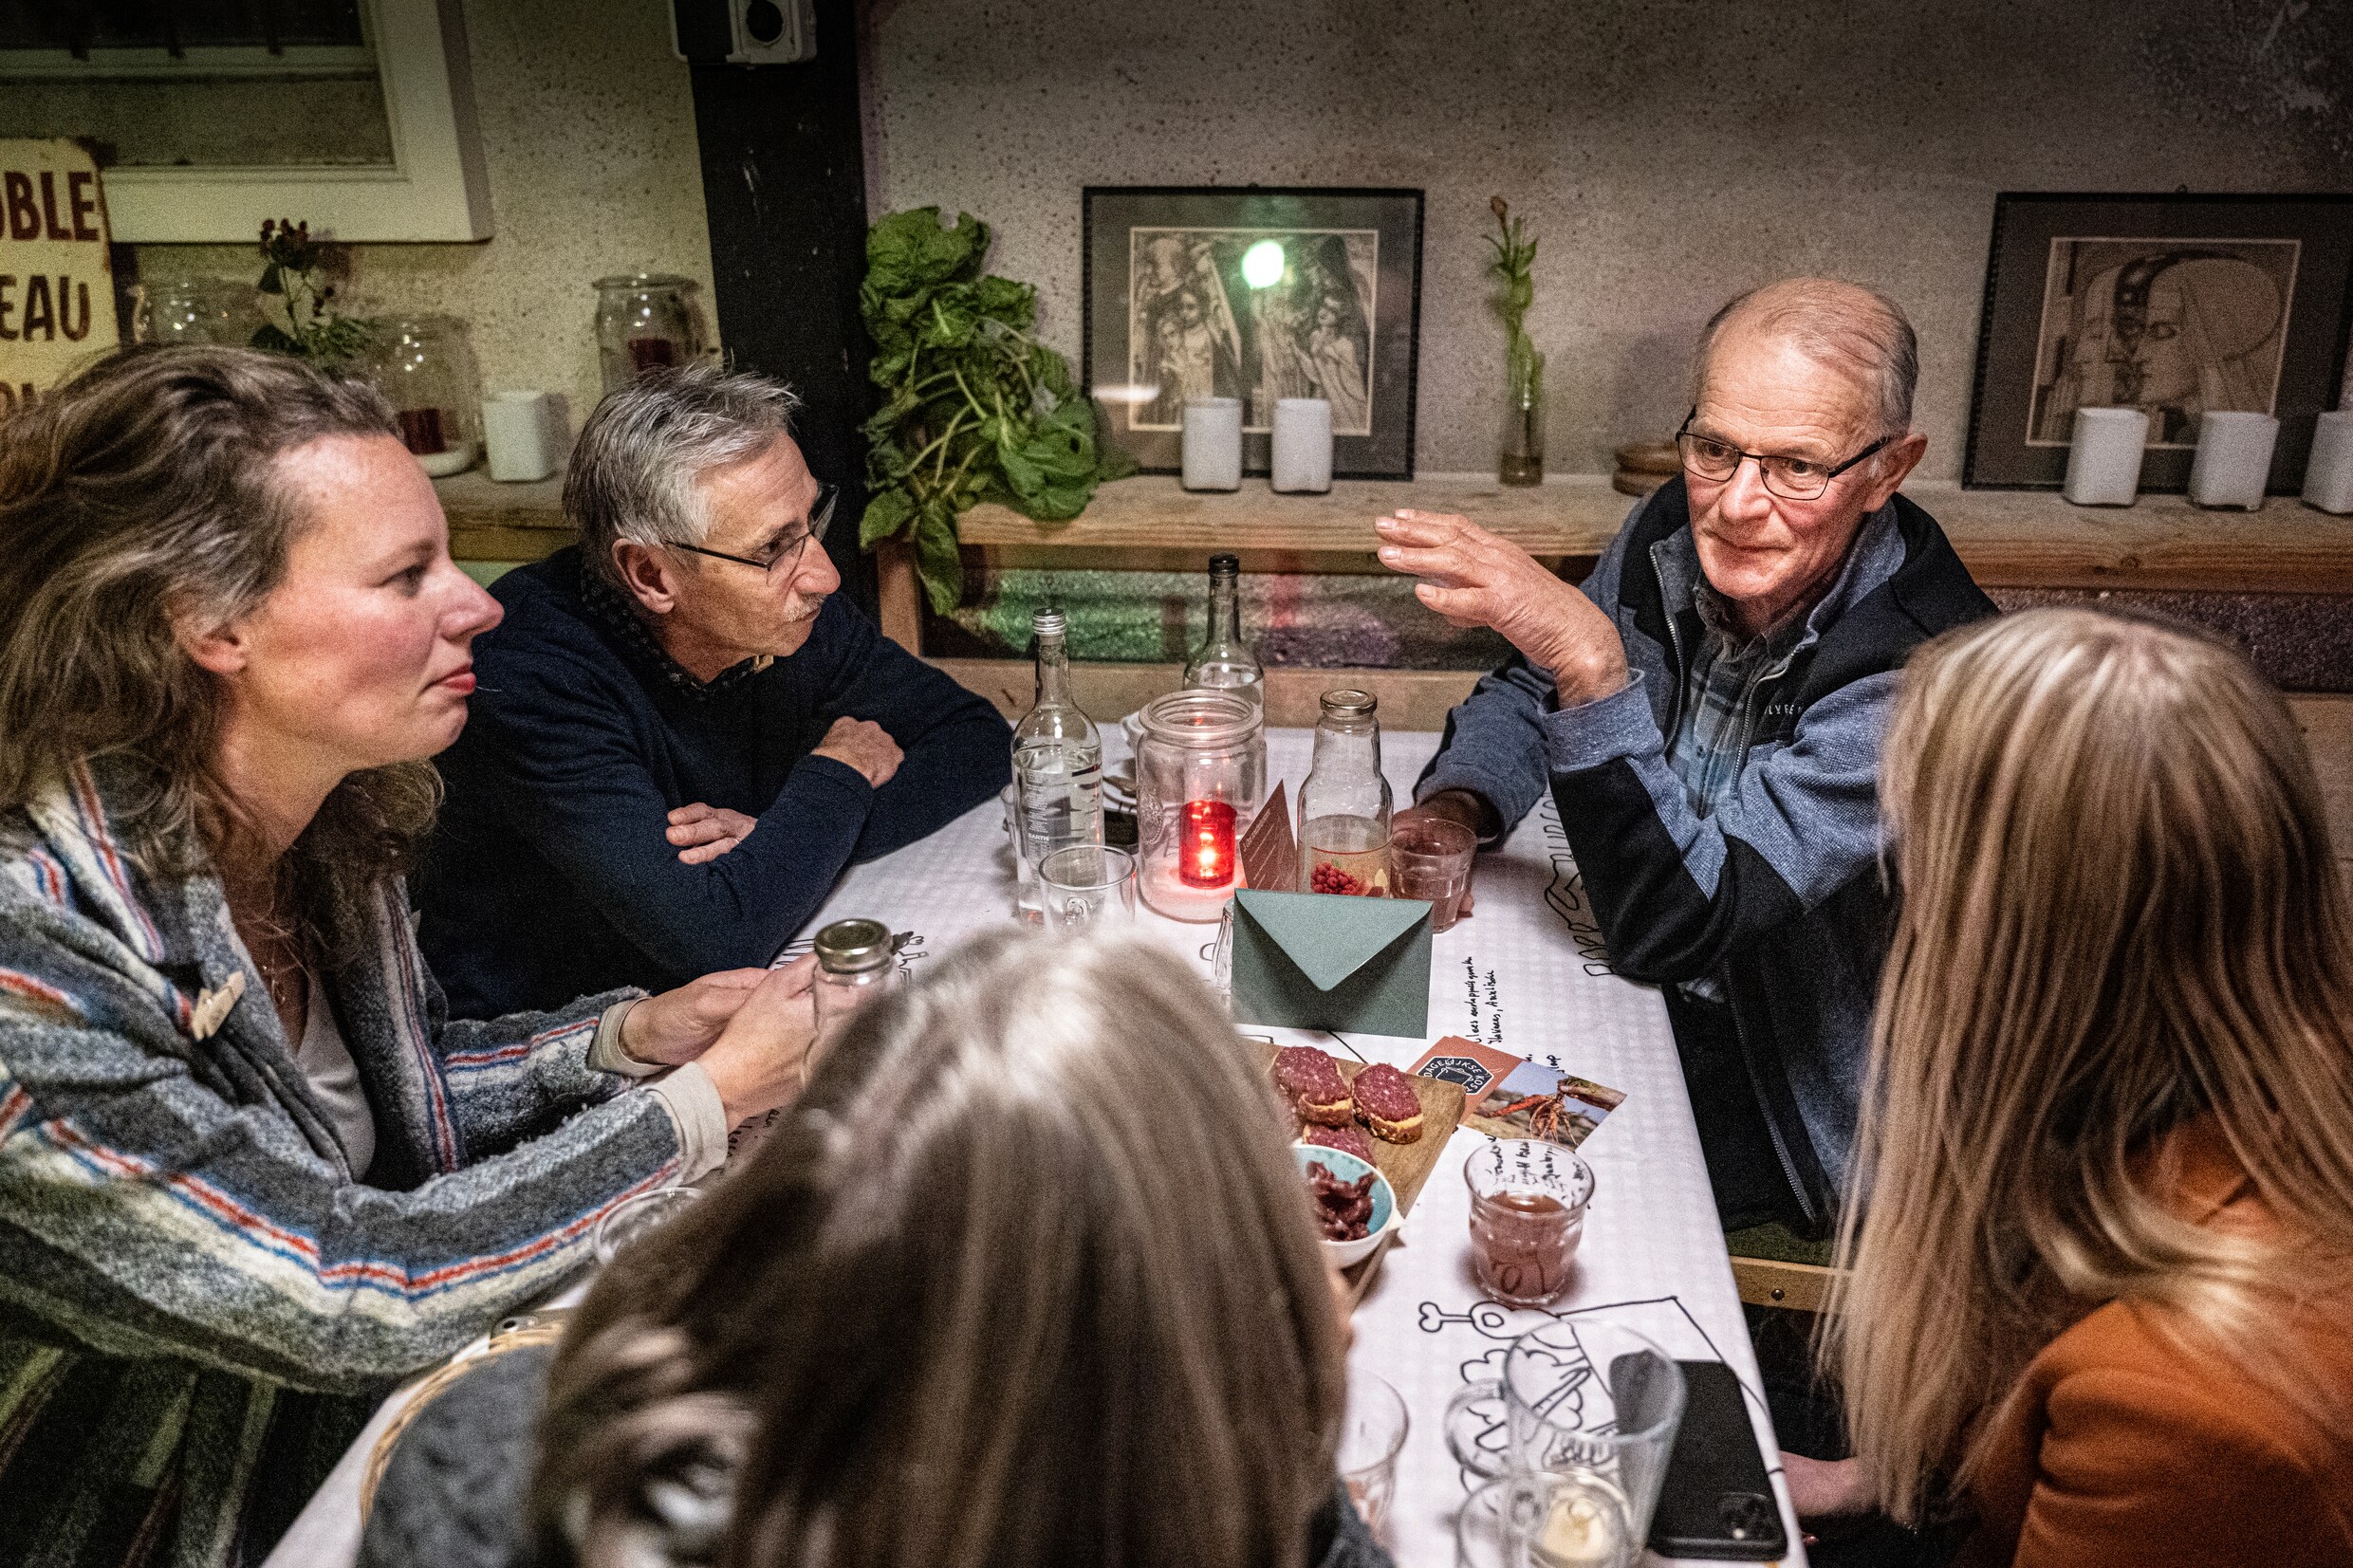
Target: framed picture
1256,293
2172,303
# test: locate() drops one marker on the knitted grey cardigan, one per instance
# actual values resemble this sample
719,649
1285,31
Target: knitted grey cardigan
199,1300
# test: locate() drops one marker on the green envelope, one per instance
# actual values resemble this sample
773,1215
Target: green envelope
1327,961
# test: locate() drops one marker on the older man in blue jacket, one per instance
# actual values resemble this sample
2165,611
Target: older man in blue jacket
682,734
1707,713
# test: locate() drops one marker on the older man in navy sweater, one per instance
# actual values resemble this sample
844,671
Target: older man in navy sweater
681,735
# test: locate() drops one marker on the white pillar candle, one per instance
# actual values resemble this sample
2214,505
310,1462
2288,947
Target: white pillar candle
1213,458
519,427
2103,465
2234,458
1303,444
2329,478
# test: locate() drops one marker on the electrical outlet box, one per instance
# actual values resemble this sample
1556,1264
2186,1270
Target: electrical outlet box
744,32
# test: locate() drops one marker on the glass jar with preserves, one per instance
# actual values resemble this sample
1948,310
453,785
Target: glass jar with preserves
1201,774
1345,805
645,321
425,366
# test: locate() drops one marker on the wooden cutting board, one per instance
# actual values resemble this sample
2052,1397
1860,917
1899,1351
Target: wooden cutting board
1407,1165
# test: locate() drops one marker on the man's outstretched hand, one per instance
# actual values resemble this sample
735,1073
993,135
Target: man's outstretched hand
1473,578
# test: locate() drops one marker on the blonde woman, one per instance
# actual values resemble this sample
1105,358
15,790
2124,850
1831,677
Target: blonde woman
1027,1279
2101,1293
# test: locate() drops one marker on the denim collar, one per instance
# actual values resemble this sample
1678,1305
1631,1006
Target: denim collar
1872,557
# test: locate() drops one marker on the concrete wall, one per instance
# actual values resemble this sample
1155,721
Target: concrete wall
589,129
1668,152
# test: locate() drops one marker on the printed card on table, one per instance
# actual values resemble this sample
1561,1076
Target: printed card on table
1509,1096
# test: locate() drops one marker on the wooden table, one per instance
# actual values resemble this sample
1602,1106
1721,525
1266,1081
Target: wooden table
1528,973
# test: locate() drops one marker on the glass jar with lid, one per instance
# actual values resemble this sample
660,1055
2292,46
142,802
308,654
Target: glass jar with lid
425,366
1345,805
857,961
1201,774
225,311
645,321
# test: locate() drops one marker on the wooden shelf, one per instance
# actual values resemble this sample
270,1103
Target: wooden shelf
2009,538
493,522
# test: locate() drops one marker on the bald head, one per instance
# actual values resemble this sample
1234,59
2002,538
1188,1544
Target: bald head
1846,328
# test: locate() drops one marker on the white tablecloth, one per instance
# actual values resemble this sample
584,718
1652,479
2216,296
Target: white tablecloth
1527,972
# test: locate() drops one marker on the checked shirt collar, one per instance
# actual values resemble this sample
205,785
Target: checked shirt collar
613,611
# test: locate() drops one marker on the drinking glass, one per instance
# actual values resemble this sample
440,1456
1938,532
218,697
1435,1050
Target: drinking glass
1431,858
1086,886
1369,1441
1586,1398
1528,1213
1543,1522
633,1217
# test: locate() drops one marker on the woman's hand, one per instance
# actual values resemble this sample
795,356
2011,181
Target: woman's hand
757,1063
1825,1489
677,1027
1473,578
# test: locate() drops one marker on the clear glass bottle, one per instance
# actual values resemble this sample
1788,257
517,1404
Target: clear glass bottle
1224,662
1344,807
1057,764
645,321
857,961
425,366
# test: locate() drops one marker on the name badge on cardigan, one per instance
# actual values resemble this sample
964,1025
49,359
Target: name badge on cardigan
212,1007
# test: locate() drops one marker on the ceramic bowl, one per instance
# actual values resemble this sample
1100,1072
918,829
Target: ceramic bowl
1349,1168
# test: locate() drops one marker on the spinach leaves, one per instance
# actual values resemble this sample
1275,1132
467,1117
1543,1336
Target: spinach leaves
974,408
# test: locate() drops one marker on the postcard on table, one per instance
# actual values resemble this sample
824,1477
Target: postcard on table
1509,1096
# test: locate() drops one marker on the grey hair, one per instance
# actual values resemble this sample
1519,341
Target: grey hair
1848,326
636,472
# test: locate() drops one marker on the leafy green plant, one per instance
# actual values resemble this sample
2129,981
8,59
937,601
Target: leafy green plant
1514,266
974,408
291,264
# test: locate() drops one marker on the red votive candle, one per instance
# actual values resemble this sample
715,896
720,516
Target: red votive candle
1205,847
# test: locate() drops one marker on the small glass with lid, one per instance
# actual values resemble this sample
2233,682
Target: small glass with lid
857,961
645,321
1201,774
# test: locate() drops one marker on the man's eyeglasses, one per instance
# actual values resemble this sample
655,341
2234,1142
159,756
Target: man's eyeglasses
1790,478
785,554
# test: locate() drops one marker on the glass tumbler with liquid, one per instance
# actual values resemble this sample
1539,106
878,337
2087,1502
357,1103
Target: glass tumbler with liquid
1528,1213
1345,805
1057,765
1225,662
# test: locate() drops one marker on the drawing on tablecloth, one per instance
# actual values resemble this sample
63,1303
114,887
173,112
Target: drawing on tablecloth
1566,895
1483,1331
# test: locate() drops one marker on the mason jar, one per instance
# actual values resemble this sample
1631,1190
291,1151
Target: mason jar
425,366
645,321
857,961
1201,774
226,311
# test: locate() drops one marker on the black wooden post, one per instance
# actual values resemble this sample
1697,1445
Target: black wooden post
785,185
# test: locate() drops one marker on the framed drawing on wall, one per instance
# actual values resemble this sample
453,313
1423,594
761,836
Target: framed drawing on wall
2175,304
1257,294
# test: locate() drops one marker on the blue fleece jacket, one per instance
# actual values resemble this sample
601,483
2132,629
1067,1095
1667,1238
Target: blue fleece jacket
1775,894
549,875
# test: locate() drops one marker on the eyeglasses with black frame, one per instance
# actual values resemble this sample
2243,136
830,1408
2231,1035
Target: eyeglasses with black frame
785,554
1790,478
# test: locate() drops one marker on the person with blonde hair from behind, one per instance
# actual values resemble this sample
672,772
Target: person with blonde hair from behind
2099,1297
1027,1279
